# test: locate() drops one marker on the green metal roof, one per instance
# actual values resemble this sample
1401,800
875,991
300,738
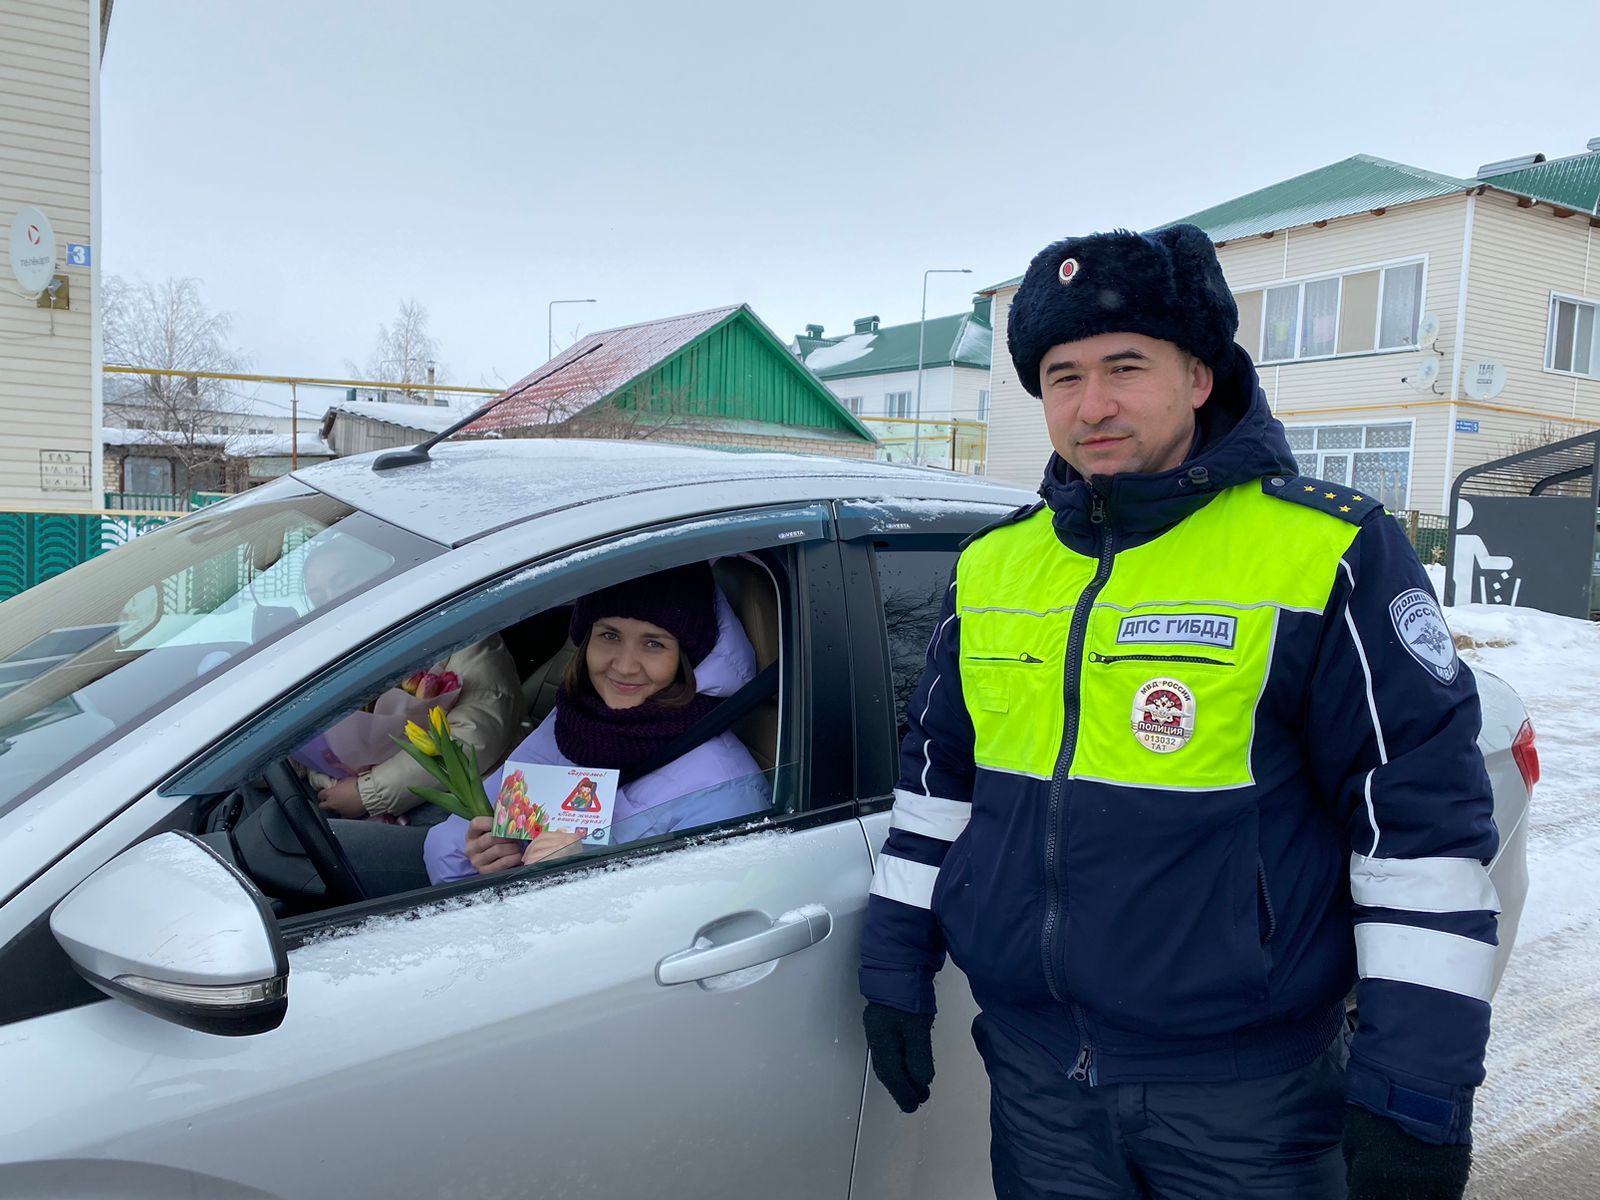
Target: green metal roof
1354,185
1573,182
964,340
1362,183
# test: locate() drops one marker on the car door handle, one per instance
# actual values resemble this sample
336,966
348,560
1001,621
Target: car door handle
786,936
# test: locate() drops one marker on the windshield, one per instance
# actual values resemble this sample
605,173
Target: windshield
97,650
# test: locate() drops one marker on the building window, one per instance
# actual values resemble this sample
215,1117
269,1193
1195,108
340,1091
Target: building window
1400,308
897,404
983,404
146,475
1358,312
1373,460
1574,342
853,403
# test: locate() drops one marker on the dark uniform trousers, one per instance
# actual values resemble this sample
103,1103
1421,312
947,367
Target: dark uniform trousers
1057,1138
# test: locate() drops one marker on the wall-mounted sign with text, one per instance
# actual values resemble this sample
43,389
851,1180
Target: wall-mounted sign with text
64,470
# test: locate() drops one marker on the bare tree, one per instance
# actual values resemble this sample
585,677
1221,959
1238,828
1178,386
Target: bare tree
167,326
1552,430
405,353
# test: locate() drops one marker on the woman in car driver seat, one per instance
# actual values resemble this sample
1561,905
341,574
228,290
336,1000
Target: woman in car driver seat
655,655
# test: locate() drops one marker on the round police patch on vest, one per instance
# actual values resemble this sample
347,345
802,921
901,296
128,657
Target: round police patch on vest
1421,628
1163,715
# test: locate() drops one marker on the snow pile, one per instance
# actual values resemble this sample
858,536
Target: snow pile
846,350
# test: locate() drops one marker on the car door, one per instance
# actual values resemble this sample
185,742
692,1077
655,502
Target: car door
678,1018
900,558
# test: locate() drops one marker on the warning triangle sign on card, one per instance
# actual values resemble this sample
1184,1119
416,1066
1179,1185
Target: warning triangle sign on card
583,798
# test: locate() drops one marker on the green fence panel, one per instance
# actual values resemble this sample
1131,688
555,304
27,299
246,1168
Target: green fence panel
37,546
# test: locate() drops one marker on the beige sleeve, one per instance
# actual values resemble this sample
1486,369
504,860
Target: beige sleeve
484,718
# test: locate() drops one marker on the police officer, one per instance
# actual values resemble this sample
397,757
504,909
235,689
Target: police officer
1191,753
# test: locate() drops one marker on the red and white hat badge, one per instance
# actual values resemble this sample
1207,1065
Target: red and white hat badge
1068,270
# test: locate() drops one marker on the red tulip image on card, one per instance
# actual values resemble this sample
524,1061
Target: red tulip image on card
540,796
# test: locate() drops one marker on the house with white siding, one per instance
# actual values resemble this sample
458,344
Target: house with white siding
874,371
1407,325
51,455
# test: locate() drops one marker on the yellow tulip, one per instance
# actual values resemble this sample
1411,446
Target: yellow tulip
421,739
440,722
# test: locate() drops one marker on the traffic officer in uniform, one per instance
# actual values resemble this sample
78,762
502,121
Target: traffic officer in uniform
1192,752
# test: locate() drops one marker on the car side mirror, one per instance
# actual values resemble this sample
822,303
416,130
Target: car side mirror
169,927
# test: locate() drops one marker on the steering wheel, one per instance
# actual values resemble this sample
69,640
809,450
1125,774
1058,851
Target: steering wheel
310,824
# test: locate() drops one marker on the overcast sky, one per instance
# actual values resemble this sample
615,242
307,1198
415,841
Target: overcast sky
313,162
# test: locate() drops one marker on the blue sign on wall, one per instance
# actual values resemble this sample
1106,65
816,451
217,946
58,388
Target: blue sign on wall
79,254
1465,426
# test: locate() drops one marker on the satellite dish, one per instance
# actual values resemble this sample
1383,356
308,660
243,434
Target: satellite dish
1428,330
1424,374
1484,379
33,250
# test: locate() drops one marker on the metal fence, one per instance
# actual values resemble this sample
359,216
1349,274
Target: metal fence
1429,534
162,501
35,546
959,445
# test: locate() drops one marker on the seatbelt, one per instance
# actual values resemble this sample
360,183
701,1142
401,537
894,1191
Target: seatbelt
715,723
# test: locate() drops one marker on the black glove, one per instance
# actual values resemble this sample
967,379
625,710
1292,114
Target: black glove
1387,1163
902,1052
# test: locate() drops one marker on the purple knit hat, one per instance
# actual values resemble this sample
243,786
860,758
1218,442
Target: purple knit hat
682,601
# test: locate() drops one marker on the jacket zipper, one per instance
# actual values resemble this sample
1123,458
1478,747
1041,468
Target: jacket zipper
1024,657
1054,887
1095,657
1266,901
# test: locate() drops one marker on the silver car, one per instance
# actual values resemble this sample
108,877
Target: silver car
292,1012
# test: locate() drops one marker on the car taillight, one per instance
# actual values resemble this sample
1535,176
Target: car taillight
1527,758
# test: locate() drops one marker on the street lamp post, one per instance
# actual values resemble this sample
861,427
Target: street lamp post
549,325
922,333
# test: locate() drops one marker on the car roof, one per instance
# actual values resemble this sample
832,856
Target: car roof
468,489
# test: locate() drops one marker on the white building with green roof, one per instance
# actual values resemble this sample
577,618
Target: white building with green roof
873,371
1407,325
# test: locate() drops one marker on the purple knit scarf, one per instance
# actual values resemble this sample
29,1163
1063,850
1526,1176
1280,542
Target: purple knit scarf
591,734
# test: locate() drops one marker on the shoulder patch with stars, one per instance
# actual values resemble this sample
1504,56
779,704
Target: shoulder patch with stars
1335,499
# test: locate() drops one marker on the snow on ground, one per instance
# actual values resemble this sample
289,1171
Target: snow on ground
1537,1125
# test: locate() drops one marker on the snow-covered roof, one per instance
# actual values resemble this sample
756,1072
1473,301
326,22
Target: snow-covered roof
159,437
234,445
276,445
422,417
610,358
467,489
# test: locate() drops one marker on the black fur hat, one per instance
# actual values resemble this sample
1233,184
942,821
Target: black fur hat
1166,285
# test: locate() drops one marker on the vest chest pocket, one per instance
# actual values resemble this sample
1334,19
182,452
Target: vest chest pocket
1169,699
1011,681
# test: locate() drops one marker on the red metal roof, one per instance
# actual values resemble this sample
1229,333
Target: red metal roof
610,360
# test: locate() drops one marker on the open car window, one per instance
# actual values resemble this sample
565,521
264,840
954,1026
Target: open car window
750,769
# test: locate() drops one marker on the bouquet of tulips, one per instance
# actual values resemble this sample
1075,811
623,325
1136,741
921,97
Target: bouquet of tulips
449,760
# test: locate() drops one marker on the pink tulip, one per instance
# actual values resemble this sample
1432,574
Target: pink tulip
437,685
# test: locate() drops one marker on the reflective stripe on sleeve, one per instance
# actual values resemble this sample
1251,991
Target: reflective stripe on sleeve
931,816
903,880
1431,885
1425,957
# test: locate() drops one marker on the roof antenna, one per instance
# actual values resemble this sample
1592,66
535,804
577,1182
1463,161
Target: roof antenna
413,456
